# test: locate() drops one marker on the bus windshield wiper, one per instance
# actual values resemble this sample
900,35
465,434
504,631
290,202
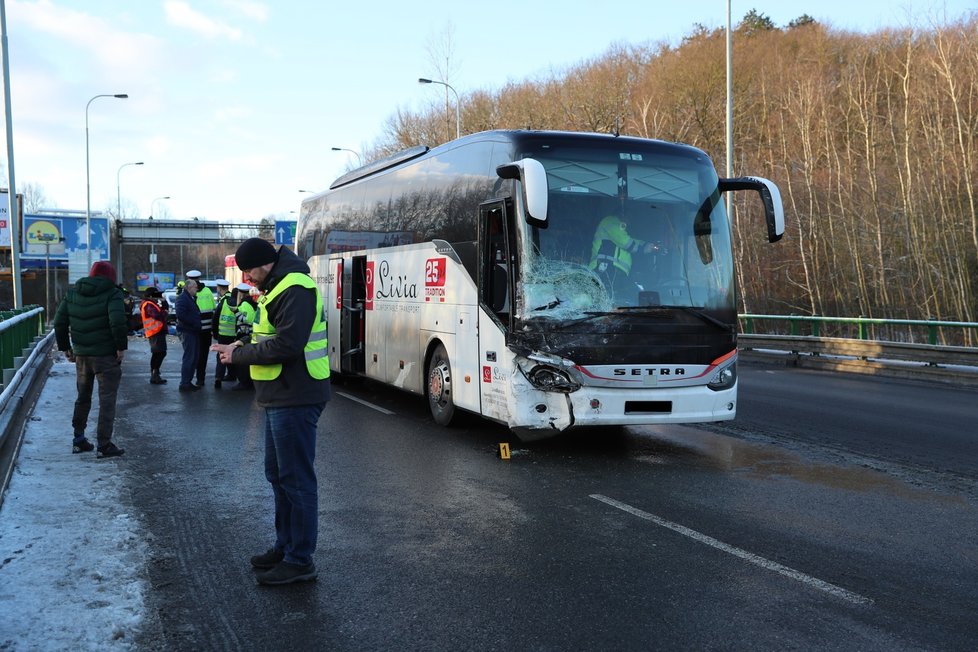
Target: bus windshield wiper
550,306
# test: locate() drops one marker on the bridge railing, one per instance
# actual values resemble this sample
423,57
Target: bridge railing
886,347
19,328
931,331
23,350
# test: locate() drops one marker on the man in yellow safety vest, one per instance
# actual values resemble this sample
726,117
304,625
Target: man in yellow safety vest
223,329
289,364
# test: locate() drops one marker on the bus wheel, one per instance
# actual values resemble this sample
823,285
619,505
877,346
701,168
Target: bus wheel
440,387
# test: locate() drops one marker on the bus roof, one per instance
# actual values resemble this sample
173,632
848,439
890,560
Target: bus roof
515,136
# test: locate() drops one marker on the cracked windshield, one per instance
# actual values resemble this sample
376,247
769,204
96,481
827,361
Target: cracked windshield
627,230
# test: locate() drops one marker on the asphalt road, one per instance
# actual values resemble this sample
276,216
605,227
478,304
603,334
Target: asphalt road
836,513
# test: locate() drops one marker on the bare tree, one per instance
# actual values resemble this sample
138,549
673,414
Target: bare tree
873,139
35,198
441,55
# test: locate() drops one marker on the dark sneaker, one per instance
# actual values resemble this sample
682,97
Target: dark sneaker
189,388
284,573
81,445
157,380
110,450
268,559
217,384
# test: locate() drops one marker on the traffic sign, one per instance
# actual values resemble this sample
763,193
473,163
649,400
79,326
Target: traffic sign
285,232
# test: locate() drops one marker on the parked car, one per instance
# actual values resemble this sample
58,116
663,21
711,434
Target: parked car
170,296
131,305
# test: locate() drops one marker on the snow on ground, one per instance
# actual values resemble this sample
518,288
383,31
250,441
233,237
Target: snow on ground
71,557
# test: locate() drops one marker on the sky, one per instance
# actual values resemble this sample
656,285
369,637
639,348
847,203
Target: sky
235,105
72,559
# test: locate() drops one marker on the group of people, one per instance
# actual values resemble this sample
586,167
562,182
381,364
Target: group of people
285,354
202,318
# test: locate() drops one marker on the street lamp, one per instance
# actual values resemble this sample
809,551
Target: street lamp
458,117
152,246
118,198
118,192
343,149
88,182
153,203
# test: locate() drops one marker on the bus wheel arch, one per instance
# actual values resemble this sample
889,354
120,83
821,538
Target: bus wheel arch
438,384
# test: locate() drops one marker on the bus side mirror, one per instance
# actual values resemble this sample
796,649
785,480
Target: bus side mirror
770,195
533,178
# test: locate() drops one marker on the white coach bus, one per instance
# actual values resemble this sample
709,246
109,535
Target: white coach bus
544,280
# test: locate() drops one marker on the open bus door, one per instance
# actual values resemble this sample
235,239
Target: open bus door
497,272
353,289
496,286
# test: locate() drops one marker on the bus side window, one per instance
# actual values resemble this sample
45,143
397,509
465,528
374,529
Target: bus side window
500,295
499,280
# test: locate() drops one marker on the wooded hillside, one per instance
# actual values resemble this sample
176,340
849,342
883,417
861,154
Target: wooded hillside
871,138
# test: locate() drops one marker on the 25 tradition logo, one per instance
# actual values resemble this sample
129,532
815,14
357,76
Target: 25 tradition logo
434,279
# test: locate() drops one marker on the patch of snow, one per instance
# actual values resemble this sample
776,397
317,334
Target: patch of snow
72,561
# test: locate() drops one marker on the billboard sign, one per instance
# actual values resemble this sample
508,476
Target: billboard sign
162,280
70,229
4,219
43,236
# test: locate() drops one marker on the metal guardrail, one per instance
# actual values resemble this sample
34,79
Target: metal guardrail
18,329
23,355
863,325
943,363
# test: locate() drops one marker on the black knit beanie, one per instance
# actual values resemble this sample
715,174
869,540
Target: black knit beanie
255,252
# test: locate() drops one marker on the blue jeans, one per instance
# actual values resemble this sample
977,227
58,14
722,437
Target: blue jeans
290,456
188,364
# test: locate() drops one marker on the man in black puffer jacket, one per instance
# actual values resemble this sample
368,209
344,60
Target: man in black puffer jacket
91,328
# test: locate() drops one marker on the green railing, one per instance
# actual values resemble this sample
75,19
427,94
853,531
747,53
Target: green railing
18,328
931,331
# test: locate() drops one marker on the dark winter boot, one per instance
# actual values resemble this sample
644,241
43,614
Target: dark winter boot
156,379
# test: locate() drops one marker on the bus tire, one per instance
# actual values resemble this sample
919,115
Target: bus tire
439,387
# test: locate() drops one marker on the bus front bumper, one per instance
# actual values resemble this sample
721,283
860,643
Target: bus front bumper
543,414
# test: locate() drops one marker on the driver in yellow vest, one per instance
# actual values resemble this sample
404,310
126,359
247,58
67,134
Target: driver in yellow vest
611,255
288,359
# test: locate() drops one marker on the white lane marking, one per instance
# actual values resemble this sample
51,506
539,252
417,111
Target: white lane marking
363,402
813,582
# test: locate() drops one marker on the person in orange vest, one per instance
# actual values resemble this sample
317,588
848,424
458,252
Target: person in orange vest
154,312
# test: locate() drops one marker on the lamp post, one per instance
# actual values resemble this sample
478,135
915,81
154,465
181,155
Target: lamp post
153,203
355,153
458,116
729,168
118,216
152,250
118,192
88,180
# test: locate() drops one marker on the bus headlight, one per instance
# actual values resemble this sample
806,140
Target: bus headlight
723,378
551,379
